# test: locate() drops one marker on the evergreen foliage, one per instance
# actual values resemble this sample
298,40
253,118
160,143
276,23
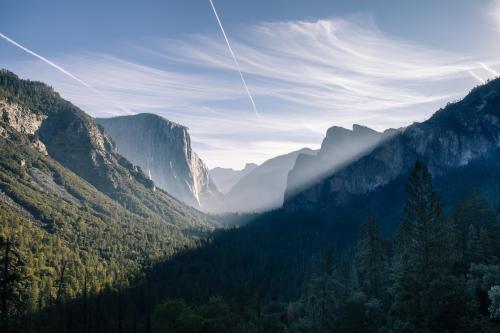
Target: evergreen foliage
76,258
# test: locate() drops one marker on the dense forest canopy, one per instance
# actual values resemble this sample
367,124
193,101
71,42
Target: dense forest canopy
418,254
283,273
61,236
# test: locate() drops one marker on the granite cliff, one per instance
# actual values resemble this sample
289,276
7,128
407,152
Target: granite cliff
163,149
36,119
339,147
452,138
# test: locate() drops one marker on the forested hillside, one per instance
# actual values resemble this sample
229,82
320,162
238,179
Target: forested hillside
88,244
61,235
284,273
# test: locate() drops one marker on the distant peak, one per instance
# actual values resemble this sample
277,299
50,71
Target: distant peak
146,117
250,166
337,129
341,133
154,116
356,128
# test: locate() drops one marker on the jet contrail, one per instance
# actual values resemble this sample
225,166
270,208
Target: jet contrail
59,68
489,69
477,77
234,58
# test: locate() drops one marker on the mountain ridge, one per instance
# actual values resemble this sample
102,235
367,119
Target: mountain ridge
339,147
163,148
63,183
452,137
263,188
226,178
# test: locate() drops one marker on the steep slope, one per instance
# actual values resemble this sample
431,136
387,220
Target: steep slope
451,138
62,183
339,147
225,178
163,149
263,188
73,139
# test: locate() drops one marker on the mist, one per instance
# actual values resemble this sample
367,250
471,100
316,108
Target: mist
340,147
269,185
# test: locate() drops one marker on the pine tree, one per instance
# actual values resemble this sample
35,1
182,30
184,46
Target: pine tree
323,302
472,246
473,209
324,299
371,260
476,226
424,211
13,282
424,254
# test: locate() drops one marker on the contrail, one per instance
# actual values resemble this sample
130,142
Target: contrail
477,77
234,58
489,69
59,68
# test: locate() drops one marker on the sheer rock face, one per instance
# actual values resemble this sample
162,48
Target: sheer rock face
40,146
33,113
163,149
451,138
57,128
20,118
339,147
73,139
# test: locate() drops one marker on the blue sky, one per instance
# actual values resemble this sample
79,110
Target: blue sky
309,64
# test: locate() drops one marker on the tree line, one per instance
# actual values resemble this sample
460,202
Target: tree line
440,273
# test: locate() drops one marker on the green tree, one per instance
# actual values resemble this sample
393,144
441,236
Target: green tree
494,308
13,283
424,256
323,302
217,316
176,316
476,226
371,260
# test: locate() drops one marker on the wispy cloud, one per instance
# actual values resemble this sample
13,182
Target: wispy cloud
493,11
333,63
305,76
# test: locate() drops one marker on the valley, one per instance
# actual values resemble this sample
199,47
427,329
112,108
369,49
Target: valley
249,166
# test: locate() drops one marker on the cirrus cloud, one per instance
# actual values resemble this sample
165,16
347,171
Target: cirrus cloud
305,76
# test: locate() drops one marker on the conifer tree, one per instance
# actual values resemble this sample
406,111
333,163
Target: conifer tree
476,226
13,282
371,260
424,253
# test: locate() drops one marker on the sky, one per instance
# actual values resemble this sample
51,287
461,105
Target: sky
308,64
